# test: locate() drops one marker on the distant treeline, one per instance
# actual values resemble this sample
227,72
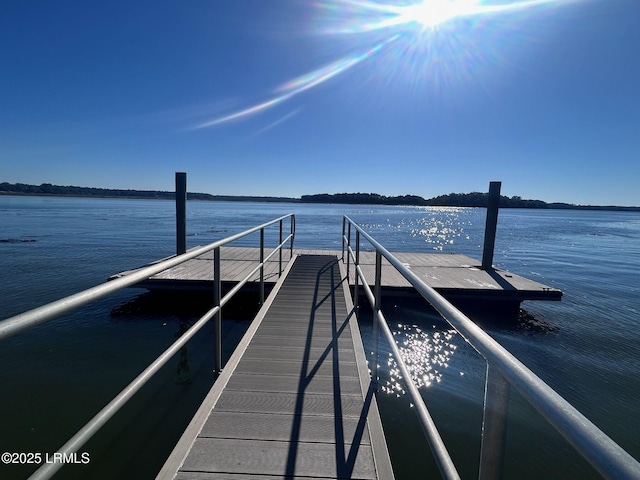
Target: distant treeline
474,199
68,190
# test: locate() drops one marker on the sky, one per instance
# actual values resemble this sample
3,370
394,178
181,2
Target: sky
294,97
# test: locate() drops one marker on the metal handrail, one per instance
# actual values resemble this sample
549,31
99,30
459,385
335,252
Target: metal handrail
34,317
503,370
17,323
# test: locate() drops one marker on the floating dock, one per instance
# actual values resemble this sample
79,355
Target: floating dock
455,276
295,399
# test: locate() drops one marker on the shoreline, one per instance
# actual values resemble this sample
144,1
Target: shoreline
467,200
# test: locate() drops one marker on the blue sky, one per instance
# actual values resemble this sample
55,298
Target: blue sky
289,97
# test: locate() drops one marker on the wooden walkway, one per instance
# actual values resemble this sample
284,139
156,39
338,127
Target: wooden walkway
295,399
454,276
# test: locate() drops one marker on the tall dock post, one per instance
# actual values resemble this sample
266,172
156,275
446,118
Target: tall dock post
181,213
491,225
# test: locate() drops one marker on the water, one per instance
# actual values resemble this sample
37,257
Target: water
56,376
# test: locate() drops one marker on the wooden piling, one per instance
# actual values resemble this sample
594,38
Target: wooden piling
491,225
181,213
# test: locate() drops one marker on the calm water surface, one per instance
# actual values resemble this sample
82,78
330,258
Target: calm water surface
55,377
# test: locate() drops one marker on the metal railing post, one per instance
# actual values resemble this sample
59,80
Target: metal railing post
280,251
344,219
377,293
494,425
261,266
348,246
293,229
217,319
356,290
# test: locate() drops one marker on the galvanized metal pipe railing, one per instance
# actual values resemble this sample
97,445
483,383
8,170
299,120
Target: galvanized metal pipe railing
504,370
39,315
440,453
239,285
34,317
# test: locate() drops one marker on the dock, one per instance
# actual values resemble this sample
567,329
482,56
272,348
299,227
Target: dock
455,276
295,399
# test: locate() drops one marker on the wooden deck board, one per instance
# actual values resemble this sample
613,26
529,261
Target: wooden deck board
294,402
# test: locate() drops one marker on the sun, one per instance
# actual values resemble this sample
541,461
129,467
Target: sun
363,16
431,13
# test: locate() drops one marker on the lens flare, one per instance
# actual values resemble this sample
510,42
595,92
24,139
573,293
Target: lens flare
300,84
394,21
362,16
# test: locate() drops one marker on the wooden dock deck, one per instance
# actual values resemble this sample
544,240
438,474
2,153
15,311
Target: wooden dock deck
295,399
453,275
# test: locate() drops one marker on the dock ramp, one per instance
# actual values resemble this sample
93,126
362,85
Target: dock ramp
295,400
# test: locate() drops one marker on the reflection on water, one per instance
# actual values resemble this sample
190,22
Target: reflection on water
435,354
425,353
440,228
183,371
